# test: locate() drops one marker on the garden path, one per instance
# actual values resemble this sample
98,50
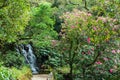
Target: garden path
42,77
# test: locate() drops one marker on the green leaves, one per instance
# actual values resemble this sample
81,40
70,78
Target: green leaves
41,24
88,39
6,74
13,19
42,14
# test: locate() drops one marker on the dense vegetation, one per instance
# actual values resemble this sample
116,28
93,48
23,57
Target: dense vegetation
74,39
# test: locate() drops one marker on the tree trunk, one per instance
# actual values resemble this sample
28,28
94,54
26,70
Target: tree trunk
83,73
71,71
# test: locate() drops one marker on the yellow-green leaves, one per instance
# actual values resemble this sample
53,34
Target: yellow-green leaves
13,19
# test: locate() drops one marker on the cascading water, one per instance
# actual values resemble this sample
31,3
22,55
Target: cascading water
27,52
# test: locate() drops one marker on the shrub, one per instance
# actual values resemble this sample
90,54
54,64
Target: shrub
48,57
6,74
13,59
15,74
22,74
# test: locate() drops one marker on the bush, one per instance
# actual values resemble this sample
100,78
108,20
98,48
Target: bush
15,74
13,59
48,56
6,74
23,74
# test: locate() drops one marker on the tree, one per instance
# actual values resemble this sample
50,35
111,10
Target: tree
86,40
14,16
40,29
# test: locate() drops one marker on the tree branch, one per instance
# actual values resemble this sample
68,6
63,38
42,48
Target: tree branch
85,4
77,42
93,60
73,3
25,38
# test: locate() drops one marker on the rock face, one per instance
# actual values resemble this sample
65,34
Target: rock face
27,52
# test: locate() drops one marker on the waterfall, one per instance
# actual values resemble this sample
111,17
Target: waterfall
27,52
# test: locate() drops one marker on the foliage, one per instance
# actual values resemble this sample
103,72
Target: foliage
41,24
88,44
23,74
58,76
14,16
99,30
42,55
87,40
105,8
64,69
54,60
48,57
13,59
15,74
6,74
